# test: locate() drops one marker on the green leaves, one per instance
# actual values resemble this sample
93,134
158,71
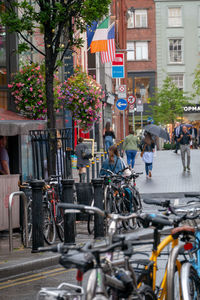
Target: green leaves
170,102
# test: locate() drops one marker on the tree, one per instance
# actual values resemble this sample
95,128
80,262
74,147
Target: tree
169,102
196,82
57,20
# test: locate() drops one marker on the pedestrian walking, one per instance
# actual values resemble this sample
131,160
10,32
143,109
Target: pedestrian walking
108,136
176,134
184,140
193,133
113,162
147,147
130,147
82,159
4,158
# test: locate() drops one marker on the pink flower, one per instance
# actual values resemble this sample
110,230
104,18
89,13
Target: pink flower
31,89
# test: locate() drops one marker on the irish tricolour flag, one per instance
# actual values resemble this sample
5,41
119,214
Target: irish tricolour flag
99,41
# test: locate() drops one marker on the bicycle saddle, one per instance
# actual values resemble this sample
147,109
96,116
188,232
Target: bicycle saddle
158,221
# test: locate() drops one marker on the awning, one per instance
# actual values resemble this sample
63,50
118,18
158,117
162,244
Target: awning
14,124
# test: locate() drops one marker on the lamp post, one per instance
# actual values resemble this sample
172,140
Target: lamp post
142,93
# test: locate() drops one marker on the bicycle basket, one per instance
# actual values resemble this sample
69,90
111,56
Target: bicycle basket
64,291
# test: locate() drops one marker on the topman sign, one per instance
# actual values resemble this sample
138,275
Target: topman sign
192,109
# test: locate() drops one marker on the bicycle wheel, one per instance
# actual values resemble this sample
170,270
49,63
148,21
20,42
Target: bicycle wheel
190,282
29,219
60,225
128,206
90,222
49,226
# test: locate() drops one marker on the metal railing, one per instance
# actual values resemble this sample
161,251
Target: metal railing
19,193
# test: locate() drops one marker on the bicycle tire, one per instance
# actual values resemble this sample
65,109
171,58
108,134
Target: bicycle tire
60,228
49,226
173,275
190,282
30,226
90,221
125,206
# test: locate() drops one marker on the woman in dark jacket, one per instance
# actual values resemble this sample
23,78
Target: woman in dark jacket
81,162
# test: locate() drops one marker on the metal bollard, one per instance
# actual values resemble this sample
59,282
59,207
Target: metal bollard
97,166
98,202
93,169
88,173
69,219
102,155
37,214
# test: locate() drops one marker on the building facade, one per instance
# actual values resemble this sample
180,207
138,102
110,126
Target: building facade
178,46
141,56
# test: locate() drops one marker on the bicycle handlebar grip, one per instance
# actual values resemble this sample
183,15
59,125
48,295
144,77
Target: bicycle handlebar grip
71,206
194,194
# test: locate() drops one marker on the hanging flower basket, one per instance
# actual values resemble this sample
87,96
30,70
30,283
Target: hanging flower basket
82,95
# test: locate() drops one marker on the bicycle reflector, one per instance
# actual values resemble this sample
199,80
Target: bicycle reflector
79,275
188,246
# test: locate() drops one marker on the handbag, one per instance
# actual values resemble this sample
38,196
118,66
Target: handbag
86,154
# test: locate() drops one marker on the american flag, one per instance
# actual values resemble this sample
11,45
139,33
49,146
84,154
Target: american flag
109,55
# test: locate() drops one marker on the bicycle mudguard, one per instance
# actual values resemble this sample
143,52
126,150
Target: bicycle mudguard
78,260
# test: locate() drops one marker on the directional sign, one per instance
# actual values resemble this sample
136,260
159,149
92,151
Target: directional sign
131,99
121,104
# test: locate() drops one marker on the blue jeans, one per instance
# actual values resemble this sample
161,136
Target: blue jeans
108,142
131,157
148,167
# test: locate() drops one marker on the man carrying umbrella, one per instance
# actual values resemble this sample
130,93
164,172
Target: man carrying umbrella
184,140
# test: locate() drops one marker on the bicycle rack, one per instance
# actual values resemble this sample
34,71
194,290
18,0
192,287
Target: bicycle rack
19,193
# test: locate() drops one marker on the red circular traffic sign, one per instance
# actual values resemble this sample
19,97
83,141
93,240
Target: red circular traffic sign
131,99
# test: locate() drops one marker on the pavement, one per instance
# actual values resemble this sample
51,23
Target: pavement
168,181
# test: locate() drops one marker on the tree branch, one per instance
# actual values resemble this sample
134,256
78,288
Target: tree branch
33,46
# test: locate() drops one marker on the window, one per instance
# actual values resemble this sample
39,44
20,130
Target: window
137,18
175,50
130,51
178,80
174,17
137,50
141,50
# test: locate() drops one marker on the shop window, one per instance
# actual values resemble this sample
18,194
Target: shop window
2,76
137,18
142,88
174,17
137,50
130,86
3,99
175,50
178,80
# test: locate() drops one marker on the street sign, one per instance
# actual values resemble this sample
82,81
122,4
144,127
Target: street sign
118,60
122,91
131,108
139,105
117,71
121,104
131,99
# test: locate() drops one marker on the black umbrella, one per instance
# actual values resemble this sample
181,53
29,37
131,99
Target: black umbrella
157,130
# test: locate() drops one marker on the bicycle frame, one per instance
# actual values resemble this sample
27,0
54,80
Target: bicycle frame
155,254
